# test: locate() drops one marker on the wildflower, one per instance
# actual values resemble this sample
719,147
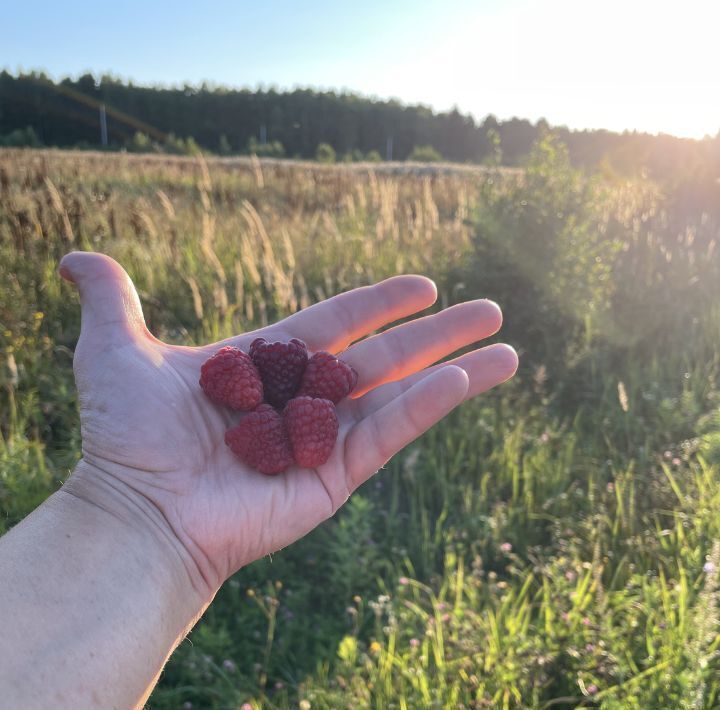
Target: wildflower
445,618
442,606
229,665
414,643
586,621
709,567
246,706
570,575
506,547
676,461
403,581
279,685
610,487
374,648
592,689
305,705
667,455
589,647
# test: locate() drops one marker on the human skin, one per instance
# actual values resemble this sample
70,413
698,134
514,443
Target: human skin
100,583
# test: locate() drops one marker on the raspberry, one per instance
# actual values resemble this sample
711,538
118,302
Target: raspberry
327,377
312,428
230,377
261,441
281,367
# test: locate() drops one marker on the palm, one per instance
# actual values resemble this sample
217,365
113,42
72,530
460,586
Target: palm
146,421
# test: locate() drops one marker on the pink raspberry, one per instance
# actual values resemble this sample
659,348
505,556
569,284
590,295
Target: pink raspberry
261,441
327,377
230,378
281,367
312,427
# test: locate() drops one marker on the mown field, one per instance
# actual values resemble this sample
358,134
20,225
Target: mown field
555,543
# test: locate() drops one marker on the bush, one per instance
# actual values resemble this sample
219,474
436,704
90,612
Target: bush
21,138
373,157
180,146
425,154
544,249
224,147
325,153
141,143
273,149
353,156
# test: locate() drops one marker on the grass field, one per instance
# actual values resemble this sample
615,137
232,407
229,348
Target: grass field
554,544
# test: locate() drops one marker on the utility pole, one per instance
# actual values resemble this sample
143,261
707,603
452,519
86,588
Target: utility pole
103,126
388,148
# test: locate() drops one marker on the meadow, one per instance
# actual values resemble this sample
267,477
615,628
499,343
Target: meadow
555,543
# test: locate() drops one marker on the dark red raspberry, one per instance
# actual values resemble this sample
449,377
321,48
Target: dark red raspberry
261,441
327,377
312,428
230,377
281,367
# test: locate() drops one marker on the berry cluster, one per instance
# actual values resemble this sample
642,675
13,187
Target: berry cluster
290,399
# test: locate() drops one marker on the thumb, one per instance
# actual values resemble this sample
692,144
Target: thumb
109,301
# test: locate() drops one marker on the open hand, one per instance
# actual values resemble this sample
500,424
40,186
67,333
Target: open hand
153,440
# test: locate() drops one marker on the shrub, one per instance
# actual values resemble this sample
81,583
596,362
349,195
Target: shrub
181,146
325,153
21,138
425,154
544,249
224,147
272,149
141,143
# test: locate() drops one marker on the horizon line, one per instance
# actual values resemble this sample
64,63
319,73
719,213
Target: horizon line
211,85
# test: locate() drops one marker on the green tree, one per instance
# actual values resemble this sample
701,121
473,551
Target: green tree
21,138
325,153
272,149
425,154
224,147
544,249
140,143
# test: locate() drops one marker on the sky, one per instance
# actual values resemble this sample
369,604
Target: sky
615,64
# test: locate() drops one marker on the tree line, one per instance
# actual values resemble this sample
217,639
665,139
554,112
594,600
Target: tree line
34,110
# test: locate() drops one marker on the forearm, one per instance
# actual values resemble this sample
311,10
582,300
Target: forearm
93,599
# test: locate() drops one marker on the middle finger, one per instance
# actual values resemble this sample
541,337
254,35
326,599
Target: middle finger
407,348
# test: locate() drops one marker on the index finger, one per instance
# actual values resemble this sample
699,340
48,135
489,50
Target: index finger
335,323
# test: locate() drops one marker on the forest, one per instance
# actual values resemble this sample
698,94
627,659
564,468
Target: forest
37,111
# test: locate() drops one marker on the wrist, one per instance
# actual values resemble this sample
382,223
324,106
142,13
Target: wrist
134,521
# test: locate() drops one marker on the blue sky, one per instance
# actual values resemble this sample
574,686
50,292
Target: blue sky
616,64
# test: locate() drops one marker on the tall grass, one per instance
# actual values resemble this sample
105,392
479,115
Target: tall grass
554,544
